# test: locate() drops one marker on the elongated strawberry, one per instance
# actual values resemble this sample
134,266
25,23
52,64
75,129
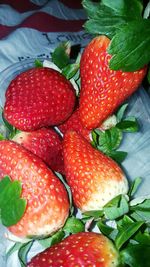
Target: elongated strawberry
46,144
47,200
103,89
38,97
82,249
74,123
93,177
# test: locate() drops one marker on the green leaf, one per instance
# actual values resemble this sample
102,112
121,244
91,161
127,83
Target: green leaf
148,75
13,191
23,251
4,183
126,233
121,112
109,140
14,248
94,138
141,211
70,70
118,156
74,225
129,48
134,186
38,63
60,55
106,230
12,207
128,125
142,238
105,17
52,240
93,214
11,131
7,124
2,137
13,212
117,207
130,8
104,22
90,7
136,255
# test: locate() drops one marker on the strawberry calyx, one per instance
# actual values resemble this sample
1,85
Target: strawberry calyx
108,137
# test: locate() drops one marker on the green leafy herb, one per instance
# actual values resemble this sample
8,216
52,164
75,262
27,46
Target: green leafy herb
121,112
93,214
134,186
38,63
141,211
109,140
52,240
148,75
117,207
142,238
118,156
129,48
110,232
126,233
14,248
72,70
136,255
11,130
60,56
74,225
23,251
105,17
12,207
128,125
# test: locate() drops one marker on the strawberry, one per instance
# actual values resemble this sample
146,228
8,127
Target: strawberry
74,123
82,249
38,97
46,144
94,178
47,200
103,89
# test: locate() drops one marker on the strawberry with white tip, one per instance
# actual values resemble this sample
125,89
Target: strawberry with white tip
93,177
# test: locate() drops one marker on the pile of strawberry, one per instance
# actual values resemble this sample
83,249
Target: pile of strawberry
39,100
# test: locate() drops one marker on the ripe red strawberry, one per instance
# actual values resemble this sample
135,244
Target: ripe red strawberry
74,123
47,200
46,144
38,97
103,89
93,177
82,249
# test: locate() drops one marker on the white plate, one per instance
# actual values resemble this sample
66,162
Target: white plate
136,144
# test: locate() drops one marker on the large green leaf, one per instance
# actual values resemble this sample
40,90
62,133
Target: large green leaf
106,16
130,46
136,255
